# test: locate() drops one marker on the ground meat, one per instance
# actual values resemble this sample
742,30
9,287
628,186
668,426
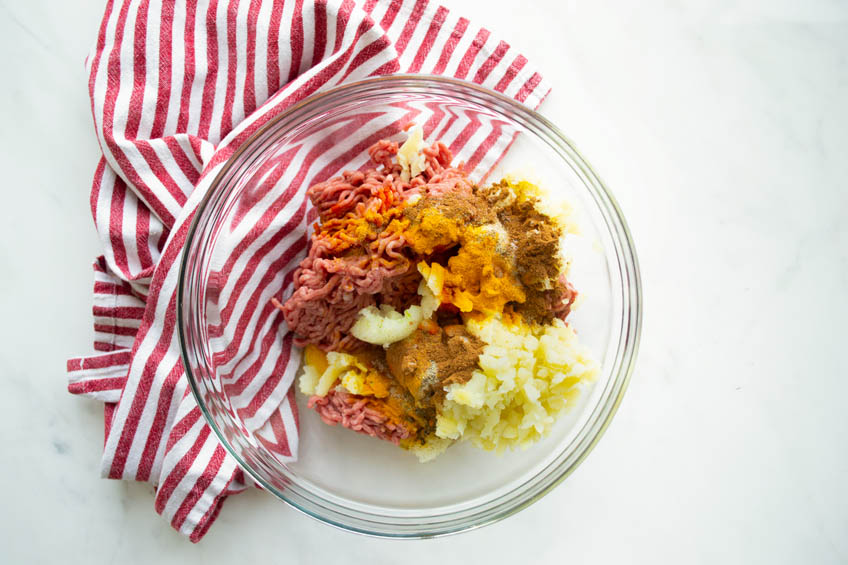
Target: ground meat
358,414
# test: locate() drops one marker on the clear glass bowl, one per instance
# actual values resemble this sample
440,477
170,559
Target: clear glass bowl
353,481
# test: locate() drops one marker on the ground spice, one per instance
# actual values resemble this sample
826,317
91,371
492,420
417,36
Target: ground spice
477,275
398,404
438,223
428,361
354,231
463,209
535,239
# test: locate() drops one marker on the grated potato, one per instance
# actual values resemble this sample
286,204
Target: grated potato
527,376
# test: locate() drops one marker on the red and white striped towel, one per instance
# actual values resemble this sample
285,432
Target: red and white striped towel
176,87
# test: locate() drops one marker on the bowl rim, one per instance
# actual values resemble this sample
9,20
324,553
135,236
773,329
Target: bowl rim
630,343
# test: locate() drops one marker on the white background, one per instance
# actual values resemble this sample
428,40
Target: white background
722,129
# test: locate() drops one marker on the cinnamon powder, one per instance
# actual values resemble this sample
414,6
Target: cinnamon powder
535,244
432,358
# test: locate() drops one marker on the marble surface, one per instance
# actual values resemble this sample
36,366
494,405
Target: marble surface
721,127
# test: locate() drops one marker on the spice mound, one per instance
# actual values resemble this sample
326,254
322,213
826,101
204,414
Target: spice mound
432,309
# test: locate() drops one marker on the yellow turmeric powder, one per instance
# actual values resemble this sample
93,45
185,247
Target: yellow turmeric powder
352,231
313,356
433,232
371,383
477,277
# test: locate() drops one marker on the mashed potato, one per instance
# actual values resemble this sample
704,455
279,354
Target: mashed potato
527,376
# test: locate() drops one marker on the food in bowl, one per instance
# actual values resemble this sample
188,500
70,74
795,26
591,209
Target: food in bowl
432,309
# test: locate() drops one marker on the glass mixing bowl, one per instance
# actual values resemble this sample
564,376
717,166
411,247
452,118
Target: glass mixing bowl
339,477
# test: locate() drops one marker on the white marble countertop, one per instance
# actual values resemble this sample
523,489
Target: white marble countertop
723,132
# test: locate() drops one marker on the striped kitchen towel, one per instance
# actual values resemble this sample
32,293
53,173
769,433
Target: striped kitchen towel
176,87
